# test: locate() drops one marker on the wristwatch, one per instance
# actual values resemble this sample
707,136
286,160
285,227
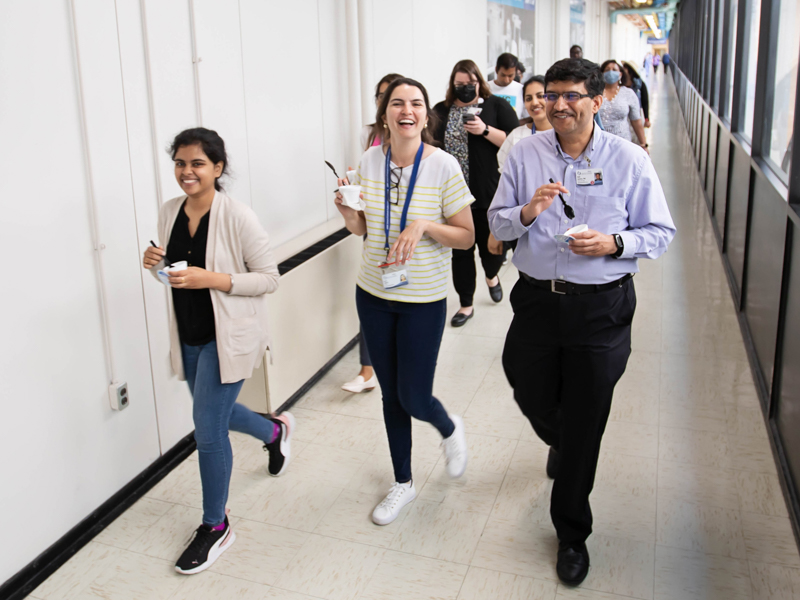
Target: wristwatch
486,131
620,245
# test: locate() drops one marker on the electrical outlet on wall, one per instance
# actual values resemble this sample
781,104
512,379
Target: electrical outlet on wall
118,395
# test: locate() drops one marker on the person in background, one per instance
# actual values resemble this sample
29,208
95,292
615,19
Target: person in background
656,61
504,85
520,73
415,199
371,135
576,52
570,339
533,93
474,139
632,80
666,60
218,330
620,106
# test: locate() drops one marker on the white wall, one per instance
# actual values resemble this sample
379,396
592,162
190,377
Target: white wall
87,107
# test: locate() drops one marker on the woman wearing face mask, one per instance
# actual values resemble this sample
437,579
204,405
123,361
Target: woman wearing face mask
218,325
620,106
415,211
533,95
473,124
371,135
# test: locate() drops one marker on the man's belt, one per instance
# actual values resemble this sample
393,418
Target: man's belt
559,286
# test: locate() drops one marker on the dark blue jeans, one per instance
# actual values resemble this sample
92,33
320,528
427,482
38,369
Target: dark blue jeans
215,412
403,339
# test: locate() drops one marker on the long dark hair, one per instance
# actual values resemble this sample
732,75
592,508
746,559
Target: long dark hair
427,132
377,127
623,72
470,68
213,147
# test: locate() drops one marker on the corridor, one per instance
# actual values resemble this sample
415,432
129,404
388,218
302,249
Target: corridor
687,503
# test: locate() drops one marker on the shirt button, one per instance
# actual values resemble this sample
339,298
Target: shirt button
566,220
191,251
562,249
570,166
561,276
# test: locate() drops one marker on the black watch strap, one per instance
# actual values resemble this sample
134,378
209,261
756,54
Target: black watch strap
486,131
620,245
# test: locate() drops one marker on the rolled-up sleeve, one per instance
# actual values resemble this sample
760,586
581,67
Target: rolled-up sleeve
505,219
650,226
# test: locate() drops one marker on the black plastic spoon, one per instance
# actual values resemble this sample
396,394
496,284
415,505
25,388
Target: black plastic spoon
567,208
332,169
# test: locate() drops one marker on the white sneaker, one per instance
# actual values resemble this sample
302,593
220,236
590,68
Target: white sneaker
359,385
388,510
455,449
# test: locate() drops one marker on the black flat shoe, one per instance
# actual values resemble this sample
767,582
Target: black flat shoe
460,318
496,292
553,460
573,563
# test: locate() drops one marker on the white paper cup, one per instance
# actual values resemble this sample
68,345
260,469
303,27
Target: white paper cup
351,176
163,274
351,194
577,229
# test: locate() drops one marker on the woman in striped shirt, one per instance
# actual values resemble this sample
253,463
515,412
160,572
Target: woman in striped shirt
402,307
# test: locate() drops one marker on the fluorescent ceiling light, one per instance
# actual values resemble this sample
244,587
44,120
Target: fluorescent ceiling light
653,25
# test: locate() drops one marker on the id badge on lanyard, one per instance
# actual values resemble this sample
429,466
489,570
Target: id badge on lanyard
395,275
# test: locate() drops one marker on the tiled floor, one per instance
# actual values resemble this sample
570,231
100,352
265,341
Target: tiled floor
687,502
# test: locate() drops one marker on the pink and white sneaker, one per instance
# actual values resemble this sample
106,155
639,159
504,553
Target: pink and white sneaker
280,449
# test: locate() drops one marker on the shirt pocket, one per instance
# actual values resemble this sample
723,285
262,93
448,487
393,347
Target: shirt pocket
605,210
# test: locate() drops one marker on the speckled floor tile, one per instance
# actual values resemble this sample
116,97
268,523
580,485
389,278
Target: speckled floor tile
482,584
415,577
707,529
331,569
774,582
686,575
475,491
769,539
760,493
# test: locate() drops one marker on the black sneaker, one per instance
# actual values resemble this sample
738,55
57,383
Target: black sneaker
206,546
280,449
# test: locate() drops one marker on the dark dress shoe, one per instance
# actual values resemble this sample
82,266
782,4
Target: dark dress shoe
553,460
460,318
496,292
573,563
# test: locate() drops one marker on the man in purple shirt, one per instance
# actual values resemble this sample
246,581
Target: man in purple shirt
570,339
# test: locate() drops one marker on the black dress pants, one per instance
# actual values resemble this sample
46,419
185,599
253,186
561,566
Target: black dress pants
563,356
464,272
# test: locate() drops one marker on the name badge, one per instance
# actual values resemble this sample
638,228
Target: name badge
393,276
589,176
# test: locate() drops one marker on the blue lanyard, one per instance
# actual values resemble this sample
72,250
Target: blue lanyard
387,212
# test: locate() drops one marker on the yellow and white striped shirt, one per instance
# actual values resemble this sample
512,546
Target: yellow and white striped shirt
440,193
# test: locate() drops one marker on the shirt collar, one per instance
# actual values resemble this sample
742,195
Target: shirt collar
587,153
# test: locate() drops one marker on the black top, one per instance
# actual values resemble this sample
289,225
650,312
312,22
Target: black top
193,308
483,174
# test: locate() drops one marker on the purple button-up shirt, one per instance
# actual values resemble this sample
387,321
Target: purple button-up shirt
629,202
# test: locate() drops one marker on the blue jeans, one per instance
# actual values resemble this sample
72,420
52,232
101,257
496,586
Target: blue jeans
403,340
215,411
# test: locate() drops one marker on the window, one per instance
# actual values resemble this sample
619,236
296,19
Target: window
785,84
731,58
752,65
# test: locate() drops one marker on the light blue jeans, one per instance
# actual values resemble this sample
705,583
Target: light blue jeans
215,411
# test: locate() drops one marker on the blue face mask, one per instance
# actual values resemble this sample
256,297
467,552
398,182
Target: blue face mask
611,77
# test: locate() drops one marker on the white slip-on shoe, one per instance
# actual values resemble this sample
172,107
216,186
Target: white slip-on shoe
359,385
455,449
390,507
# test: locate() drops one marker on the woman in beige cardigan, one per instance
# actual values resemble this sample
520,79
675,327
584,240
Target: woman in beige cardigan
218,328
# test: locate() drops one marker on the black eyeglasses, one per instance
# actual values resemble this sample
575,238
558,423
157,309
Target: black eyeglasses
568,96
395,175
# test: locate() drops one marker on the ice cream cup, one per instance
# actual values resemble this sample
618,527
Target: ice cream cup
163,274
351,195
351,176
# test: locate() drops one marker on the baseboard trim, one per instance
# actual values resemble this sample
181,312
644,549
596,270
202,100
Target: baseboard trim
317,376
49,561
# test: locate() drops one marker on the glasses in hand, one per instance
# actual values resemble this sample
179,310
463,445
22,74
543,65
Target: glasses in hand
568,96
